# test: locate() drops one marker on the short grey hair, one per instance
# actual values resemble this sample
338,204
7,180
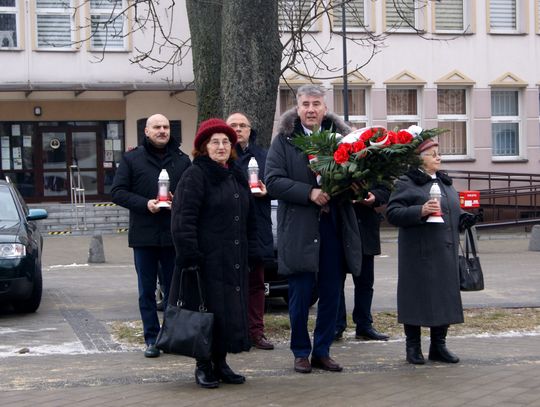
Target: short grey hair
310,90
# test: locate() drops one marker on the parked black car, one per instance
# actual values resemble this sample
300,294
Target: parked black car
276,285
21,244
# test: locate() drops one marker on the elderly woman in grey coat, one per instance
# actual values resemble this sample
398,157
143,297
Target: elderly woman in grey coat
428,273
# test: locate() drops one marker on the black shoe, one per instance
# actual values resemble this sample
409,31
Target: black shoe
371,334
415,356
204,376
338,336
151,351
223,372
440,353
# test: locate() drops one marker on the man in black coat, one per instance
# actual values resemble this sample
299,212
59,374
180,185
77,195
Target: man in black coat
246,149
368,222
317,236
135,187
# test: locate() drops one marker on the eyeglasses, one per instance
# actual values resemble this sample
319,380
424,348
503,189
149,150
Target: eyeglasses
240,125
434,154
217,143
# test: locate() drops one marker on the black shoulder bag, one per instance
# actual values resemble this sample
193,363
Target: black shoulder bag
471,277
185,332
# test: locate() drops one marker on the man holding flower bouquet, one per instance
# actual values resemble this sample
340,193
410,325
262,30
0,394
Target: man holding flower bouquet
317,236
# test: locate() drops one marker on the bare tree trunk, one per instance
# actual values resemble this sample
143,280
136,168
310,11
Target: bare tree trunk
205,26
250,65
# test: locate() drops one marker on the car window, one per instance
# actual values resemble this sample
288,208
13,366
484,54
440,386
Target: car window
8,210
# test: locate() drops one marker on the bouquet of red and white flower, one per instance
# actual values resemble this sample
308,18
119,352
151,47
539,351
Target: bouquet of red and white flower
355,163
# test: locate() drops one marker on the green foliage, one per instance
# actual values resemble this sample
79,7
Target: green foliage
373,165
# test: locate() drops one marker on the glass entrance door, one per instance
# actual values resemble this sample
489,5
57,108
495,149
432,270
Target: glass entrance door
62,150
84,156
54,153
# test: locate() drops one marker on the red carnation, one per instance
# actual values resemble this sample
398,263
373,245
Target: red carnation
358,146
392,138
404,137
342,153
387,142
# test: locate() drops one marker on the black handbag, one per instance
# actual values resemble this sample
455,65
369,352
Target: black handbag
471,277
185,332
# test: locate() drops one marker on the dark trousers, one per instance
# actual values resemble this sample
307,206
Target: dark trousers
328,283
363,297
147,263
256,301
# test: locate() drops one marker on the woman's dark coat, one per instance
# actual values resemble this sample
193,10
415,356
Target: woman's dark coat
213,227
136,182
262,205
428,275
290,180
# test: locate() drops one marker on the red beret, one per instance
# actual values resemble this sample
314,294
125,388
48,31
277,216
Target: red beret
427,144
213,126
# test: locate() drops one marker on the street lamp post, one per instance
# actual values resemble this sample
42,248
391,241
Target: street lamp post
345,84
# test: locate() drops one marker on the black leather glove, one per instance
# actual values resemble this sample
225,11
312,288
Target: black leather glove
466,221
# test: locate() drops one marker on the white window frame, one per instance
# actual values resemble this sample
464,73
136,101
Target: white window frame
338,90
509,119
413,119
4,35
66,11
313,11
366,18
420,7
107,13
521,23
466,19
458,118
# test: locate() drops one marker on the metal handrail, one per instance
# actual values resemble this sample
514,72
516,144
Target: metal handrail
78,196
521,199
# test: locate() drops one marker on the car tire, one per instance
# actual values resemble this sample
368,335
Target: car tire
32,303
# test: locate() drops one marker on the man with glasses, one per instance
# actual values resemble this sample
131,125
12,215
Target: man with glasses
135,187
246,148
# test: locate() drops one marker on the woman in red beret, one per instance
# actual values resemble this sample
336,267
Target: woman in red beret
213,229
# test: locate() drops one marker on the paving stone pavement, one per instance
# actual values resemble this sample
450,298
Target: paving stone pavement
80,300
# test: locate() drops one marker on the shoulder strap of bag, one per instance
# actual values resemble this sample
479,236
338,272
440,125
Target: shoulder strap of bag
202,307
469,242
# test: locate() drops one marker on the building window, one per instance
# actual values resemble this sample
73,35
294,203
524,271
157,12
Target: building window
453,16
17,155
108,24
402,108
287,99
54,22
404,15
505,123
9,24
356,16
452,115
538,16
357,105
505,16
296,14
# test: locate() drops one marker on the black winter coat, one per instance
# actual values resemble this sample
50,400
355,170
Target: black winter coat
428,275
213,226
290,180
369,221
136,182
262,205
